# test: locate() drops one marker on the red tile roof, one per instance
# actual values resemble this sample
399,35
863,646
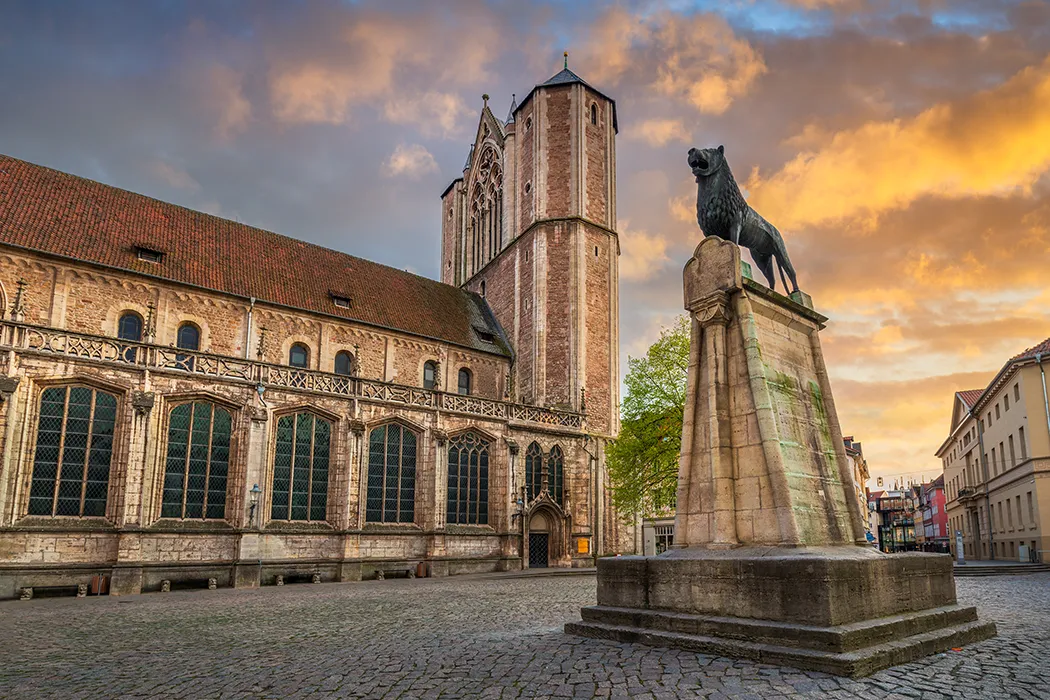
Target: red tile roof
61,214
970,396
1043,347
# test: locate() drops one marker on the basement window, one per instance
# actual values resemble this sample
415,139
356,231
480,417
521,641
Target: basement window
148,254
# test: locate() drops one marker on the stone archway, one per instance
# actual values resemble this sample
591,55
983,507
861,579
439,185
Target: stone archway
539,541
545,537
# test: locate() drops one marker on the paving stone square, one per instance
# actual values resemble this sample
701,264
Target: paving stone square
466,637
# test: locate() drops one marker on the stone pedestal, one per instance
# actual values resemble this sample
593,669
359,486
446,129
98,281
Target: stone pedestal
770,560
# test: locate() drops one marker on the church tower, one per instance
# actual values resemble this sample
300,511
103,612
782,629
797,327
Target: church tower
531,226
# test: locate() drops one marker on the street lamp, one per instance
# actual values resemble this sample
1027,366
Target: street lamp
253,503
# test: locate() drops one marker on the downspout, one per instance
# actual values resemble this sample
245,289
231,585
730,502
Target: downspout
987,487
1046,404
248,334
595,528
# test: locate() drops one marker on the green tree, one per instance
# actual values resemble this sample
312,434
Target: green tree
643,460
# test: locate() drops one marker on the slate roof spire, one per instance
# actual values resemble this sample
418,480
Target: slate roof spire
513,106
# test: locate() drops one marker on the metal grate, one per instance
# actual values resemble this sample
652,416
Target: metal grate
198,462
391,475
300,468
73,452
555,474
468,480
533,471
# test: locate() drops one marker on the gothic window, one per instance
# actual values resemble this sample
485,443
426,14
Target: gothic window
464,381
533,471
429,374
391,475
486,210
300,468
468,480
299,356
555,474
198,462
129,327
344,363
74,447
482,289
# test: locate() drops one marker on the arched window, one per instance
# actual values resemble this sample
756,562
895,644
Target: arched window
74,446
468,480
129,327
482,289
344,363
464,381
198,462
391,475
188,337
555,474
299,356
486,209
429,374
533,471
300,468
594,113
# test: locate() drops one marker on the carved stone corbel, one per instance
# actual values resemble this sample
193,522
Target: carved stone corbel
714,308
357,427
440,437
512,445
143,402
258,414
8,386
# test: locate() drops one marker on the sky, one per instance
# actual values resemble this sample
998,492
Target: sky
901,147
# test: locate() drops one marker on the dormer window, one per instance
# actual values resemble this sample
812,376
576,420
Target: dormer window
341,301
485,336
148,254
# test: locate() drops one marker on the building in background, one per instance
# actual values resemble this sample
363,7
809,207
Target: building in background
855,457
931,517
896,520
185,398
997,462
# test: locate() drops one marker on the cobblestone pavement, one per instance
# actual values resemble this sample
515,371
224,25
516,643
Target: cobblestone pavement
452,638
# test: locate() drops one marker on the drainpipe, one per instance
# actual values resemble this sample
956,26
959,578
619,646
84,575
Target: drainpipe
1046,404
595,527
248,335
987,487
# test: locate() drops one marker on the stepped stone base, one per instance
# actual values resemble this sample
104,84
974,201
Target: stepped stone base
848,611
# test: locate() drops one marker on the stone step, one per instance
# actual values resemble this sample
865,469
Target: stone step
853,664
1001,570
838,638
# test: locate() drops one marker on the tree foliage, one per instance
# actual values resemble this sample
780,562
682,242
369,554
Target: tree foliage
643,460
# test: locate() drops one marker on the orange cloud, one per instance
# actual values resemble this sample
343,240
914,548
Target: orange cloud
660,132
641,254
995,142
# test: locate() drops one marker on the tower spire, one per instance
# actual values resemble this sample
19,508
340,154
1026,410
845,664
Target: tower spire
566,57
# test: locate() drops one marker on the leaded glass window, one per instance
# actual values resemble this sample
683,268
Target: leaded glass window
533,471
300,468
198,462
464,381
468,480
74,448
299,356
129,327
391,475
344,363
188,337
555,474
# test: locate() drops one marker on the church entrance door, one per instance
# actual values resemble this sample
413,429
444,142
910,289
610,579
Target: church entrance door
539,547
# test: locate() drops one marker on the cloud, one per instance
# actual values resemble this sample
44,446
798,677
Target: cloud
235,110
433,113
660,132
642,255
173,176
995,142
412,161
694,59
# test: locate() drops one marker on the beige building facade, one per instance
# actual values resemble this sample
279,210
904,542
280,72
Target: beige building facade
187,398
997,463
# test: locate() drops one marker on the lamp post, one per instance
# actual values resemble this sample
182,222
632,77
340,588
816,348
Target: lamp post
255,491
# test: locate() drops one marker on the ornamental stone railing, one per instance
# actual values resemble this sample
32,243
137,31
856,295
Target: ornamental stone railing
93,348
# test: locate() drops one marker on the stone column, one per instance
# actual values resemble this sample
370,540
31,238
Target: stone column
436,551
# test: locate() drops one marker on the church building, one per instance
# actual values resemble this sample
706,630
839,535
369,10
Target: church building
180,406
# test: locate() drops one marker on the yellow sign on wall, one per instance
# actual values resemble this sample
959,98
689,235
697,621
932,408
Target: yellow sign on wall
583,545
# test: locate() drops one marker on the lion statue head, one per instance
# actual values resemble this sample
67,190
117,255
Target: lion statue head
706,161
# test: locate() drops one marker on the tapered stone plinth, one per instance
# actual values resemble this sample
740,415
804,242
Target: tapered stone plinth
770,560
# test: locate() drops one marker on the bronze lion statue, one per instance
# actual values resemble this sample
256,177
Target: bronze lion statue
723,212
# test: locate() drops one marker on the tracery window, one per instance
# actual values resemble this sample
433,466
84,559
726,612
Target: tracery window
486,210
533,471
299,356
555,474
74,447
391,475
300,468
468,480
198,462
344,363
429,374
